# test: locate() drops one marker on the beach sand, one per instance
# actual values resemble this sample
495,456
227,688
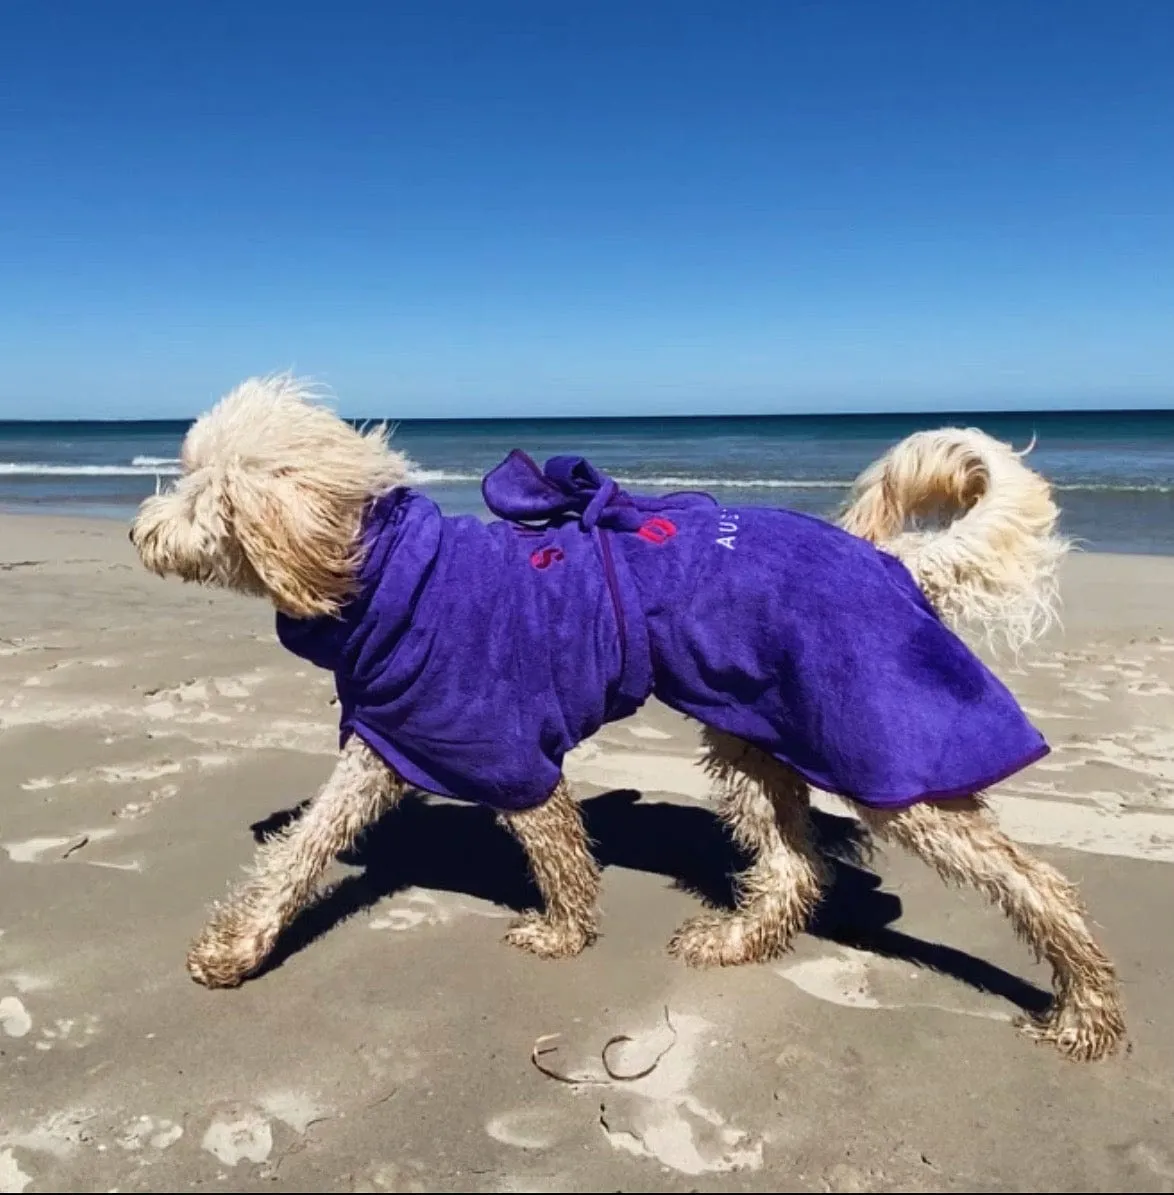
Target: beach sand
150,730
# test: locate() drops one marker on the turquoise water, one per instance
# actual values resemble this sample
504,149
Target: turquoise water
1114,472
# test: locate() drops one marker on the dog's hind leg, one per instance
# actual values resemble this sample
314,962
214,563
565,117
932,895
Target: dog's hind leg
961,841
767,808
243,930
555,841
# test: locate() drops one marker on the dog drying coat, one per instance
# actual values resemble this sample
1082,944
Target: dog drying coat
476,655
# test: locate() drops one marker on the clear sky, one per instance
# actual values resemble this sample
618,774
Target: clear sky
597,207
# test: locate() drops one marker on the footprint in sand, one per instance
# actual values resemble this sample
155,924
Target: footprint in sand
526,1128
844,980
139,773
246,1135
109,774
34,850
73,1031
12,1177
415,907
133,810
1151,688
206,689
58,1135
245,1138
60,850
41,783
14,1017
149,1131
58,715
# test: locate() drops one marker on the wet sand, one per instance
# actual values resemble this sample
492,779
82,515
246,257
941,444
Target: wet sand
149,732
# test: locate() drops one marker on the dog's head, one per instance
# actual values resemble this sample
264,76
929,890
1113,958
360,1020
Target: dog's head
271,499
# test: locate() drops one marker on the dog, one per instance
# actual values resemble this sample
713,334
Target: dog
812,654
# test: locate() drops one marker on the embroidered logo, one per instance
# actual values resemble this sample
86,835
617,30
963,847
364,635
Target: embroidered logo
656,530
545,557
728,528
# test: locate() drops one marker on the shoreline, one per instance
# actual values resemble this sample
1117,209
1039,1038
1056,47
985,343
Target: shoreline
31,514
88,523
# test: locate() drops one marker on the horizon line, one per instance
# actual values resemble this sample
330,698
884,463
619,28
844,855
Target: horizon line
946,412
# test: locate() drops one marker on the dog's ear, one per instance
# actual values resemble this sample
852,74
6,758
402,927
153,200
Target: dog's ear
300,538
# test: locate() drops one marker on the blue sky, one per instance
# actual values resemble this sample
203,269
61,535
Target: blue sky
497,207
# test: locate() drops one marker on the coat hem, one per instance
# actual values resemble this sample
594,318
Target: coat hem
945,794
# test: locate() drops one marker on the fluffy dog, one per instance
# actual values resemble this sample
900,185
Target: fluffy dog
469,658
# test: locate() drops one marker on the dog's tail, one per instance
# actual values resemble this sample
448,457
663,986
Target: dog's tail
990,557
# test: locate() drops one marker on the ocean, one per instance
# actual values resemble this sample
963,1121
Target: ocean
1114,472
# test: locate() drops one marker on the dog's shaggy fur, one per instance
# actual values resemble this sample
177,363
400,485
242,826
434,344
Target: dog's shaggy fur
271,503
991,562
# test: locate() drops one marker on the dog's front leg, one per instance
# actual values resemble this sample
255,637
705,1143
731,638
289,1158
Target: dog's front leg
555,842
243,930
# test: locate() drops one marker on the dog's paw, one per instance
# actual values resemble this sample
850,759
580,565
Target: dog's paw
217,960
725,940
535,934
1085,1032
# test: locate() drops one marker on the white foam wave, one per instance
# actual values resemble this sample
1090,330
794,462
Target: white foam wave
37,469
418,476
152,462
1109,488
159,466
442,477
736,483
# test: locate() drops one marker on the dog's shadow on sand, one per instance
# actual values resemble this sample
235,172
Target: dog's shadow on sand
462,849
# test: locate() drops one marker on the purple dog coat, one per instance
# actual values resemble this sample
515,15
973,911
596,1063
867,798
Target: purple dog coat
476,655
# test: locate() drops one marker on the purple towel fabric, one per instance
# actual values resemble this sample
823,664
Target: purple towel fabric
476,655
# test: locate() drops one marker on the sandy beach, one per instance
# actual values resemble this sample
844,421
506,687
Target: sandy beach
151,731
